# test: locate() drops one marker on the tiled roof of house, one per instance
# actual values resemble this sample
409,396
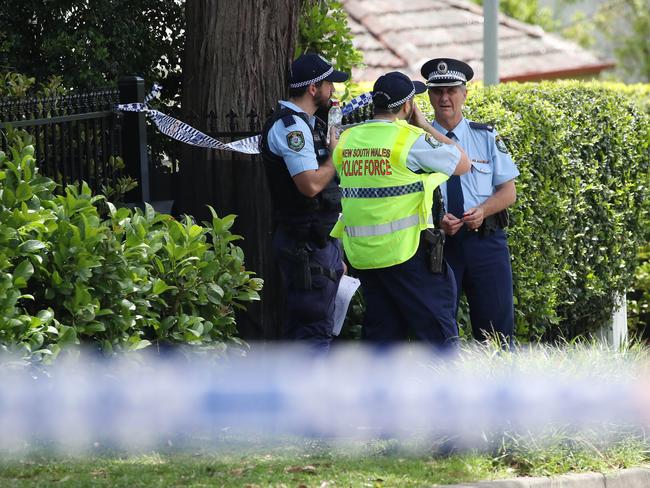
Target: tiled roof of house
403,34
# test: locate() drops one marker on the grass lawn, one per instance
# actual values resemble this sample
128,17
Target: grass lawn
261,470
371,464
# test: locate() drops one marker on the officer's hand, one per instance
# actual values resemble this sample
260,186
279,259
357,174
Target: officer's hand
474,217
451,224
345,268
334,139
417,118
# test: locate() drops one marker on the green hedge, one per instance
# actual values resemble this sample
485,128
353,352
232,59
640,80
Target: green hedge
638,296
75,269
581,213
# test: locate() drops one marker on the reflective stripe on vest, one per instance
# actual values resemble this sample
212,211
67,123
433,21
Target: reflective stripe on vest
388,191
382,229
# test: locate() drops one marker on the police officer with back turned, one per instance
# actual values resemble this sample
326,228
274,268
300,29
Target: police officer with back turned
389,170
306,199
476,204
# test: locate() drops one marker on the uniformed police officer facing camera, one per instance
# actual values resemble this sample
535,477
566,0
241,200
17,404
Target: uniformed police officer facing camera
476,203
389,170
306,200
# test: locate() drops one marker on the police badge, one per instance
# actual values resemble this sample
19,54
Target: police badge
295,140
434,143
501,146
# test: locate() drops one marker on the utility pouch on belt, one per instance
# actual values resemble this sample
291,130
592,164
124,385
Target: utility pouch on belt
494,222
489,226
300,271
435,239
503,218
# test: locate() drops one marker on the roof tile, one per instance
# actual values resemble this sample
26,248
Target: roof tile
403,34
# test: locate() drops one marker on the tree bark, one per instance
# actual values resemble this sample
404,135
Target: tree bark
237,56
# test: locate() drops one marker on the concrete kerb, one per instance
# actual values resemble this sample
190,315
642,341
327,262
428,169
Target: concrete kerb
626,478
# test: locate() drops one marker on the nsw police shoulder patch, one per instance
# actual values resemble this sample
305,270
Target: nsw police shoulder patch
433,142
295,140
501,146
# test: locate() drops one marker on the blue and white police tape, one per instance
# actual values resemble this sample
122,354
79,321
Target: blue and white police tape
355,393
356,103
183,132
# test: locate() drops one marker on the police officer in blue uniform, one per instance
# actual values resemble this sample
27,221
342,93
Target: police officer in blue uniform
476,204
306,200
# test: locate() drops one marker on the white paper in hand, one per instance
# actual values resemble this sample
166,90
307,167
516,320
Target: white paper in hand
347,287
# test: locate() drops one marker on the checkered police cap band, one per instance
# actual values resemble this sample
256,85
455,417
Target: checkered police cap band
448,75
315,80
403,100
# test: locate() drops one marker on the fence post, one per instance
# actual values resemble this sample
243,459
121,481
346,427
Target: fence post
134,138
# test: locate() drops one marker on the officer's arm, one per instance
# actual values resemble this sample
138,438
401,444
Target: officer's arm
463,165
502,198
419,120
311,182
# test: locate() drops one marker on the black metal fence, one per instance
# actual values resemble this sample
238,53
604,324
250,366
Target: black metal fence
83,137
76,137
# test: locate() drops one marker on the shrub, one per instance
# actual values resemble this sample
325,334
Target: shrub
75,269
582,209
638,297
582,149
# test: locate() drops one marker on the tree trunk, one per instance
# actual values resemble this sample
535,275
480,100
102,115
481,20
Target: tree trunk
237,56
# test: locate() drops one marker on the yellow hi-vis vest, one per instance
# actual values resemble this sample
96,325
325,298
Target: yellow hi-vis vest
385,204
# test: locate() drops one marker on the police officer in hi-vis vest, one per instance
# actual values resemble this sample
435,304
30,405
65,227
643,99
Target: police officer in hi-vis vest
389,170
306,200
476,204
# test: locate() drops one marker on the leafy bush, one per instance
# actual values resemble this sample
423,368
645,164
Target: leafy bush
638,314
582,149
75,269
19,85
323,28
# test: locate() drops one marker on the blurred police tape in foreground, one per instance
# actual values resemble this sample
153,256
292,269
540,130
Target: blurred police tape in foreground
183,132
356,393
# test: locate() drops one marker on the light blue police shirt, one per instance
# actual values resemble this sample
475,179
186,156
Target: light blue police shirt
491,163
298,159
430,157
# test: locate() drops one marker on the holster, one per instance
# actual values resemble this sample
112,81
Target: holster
302,271
435,242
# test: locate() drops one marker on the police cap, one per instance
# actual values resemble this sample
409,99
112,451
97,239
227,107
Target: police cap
311,68
446,72
393,89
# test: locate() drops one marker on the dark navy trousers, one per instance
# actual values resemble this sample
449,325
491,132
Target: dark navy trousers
407,299
310,313
481,265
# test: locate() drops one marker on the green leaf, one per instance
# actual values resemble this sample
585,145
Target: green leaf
135,343
159,286
23,192
31,246
23,272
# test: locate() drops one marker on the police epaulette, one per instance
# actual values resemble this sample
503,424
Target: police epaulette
288,120
479,126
